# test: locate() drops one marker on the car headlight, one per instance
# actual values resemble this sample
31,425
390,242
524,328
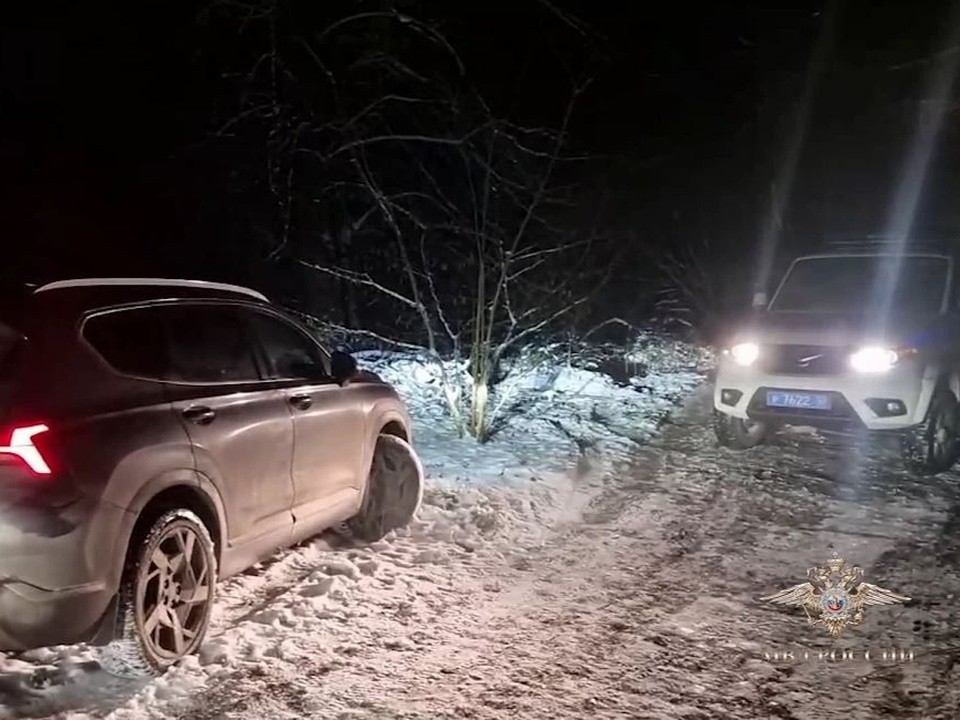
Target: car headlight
877,359
745,354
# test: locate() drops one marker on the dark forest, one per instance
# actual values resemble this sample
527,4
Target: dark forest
385,165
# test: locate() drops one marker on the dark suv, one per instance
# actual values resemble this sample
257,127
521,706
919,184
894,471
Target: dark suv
159,435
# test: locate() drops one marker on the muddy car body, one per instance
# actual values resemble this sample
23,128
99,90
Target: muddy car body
134,408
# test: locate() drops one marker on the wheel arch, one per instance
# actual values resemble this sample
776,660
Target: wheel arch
384,419
934,376
953,382
180,490
396,428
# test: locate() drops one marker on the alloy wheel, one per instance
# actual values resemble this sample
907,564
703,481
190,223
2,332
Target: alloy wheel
174,593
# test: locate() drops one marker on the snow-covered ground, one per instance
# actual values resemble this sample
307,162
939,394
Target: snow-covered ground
549,408
285,628
622,585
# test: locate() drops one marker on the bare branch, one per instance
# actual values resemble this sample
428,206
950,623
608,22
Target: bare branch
438,306
610,321
544,180
574,23
383,101
550,250
320,64
550,155
521,272
364,142
376,336
379,197
360,279
526,332
286,216
404,20
392,64
239,117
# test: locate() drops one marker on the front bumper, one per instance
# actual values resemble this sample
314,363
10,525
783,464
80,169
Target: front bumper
58,572
855,396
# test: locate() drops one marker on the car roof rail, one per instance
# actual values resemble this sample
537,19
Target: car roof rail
880,243
163,282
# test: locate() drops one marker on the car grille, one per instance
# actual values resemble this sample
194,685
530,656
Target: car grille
805,360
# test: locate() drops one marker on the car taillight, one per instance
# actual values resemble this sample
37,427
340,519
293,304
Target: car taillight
22,446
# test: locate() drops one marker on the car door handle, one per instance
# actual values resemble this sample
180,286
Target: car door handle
200,414
301,402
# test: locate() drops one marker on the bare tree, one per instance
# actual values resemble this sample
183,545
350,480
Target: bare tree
487,229
457,221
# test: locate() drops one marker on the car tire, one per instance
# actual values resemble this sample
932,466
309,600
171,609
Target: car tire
933,446
166,597
737,433
394,490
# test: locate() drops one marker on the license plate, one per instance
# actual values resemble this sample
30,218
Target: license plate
798,400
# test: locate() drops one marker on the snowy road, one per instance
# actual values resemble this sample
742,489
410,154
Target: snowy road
623,594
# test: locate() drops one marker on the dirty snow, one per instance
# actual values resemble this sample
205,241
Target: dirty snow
623,585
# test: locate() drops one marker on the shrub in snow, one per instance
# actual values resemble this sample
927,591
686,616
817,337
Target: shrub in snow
550,401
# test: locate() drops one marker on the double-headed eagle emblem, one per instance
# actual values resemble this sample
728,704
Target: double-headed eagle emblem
834,596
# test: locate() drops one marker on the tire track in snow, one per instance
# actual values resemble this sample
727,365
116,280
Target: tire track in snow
641,601
632,594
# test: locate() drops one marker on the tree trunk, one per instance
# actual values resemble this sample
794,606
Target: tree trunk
479,401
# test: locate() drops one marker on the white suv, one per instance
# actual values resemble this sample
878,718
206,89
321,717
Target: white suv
863,336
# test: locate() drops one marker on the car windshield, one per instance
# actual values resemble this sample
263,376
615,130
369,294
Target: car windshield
849,284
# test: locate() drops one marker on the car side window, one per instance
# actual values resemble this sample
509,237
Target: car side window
131,341
289,353
209,344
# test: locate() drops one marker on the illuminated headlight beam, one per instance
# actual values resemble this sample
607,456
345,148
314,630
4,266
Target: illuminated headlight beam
877,358
745,353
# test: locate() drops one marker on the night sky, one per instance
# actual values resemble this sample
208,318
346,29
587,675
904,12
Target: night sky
104,114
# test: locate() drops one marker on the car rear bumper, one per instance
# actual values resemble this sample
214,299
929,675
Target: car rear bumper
32,616
858,401
59,571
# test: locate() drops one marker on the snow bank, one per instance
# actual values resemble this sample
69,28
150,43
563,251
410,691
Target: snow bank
551,406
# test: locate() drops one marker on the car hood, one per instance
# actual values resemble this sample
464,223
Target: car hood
830,330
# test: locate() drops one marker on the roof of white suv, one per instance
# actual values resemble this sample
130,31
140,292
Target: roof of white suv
885,245
140,282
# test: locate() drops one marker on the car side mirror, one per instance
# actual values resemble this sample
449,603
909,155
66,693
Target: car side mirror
343,366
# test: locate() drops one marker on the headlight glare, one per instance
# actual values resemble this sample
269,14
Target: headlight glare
874,359
745,353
